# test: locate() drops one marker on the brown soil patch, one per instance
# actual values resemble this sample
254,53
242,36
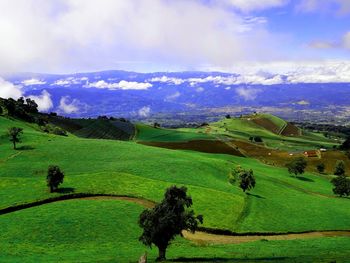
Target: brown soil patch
267,124
291,130
205,146
142,202
205,238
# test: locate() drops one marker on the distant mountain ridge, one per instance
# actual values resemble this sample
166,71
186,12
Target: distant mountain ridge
141,95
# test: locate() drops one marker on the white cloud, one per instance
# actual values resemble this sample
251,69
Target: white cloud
256,78
69,81
69,106
33,81
80,35
248,93
253,5
173,96
124,85
165,79
200,89
144,111
344,43
44,101
9,90
346,40
339,6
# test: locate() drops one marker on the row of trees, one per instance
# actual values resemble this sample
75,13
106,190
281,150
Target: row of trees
341,182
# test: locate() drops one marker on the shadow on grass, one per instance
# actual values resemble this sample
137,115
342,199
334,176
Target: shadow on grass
301,178
65,190
257,196
25,148
218,259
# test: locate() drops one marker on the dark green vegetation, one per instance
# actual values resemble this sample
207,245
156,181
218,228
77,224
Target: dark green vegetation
14,134
246,180
297,166
168,219
341,185
102,230
339,168
54,177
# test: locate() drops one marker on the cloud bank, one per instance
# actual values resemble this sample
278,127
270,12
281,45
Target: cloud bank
123,85
44,101
9,90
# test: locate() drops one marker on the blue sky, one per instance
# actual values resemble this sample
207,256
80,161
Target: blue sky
167,35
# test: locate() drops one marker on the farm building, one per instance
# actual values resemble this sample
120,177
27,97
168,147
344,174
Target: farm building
313,153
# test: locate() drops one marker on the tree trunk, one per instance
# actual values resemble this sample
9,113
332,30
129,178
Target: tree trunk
51,189
161,255
14,145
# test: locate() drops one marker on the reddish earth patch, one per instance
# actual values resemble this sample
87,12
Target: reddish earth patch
205,146
267,124
291,130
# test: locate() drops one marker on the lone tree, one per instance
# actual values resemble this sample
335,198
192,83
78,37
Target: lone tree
54,177
168,219
321,167
339,168
346,144
247,180
297,166
15,134
341,185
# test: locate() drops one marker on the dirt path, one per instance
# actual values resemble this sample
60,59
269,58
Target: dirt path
206,238
200,237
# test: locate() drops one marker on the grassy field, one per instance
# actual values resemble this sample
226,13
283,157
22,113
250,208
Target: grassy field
106,231
279,203
148,133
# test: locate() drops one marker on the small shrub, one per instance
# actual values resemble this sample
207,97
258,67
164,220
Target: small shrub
339,168
321,167
54,177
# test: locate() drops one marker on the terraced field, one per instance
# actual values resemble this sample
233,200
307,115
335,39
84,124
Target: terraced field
106,230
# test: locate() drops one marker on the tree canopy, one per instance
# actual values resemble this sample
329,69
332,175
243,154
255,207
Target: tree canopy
15,135
168,219
341,185
297,166
247,180
339,168
54,177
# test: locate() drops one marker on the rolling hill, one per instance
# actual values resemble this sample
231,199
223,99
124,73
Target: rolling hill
106,230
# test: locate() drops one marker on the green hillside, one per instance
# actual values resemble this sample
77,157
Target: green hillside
278,204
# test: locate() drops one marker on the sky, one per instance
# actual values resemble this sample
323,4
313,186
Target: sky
68,36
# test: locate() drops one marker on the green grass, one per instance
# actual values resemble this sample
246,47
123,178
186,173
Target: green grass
148,133
279,203
107,231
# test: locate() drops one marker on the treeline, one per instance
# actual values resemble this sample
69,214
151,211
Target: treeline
326,128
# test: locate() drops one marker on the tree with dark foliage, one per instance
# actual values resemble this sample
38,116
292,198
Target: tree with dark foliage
54,177
297,166
247,180
341,185
339,168
14,134
346,144
321,167
168,219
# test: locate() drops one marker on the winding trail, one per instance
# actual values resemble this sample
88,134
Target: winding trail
205,236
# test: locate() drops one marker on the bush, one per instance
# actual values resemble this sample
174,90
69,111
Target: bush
341,185
321,167
297,166
54,177
339,168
